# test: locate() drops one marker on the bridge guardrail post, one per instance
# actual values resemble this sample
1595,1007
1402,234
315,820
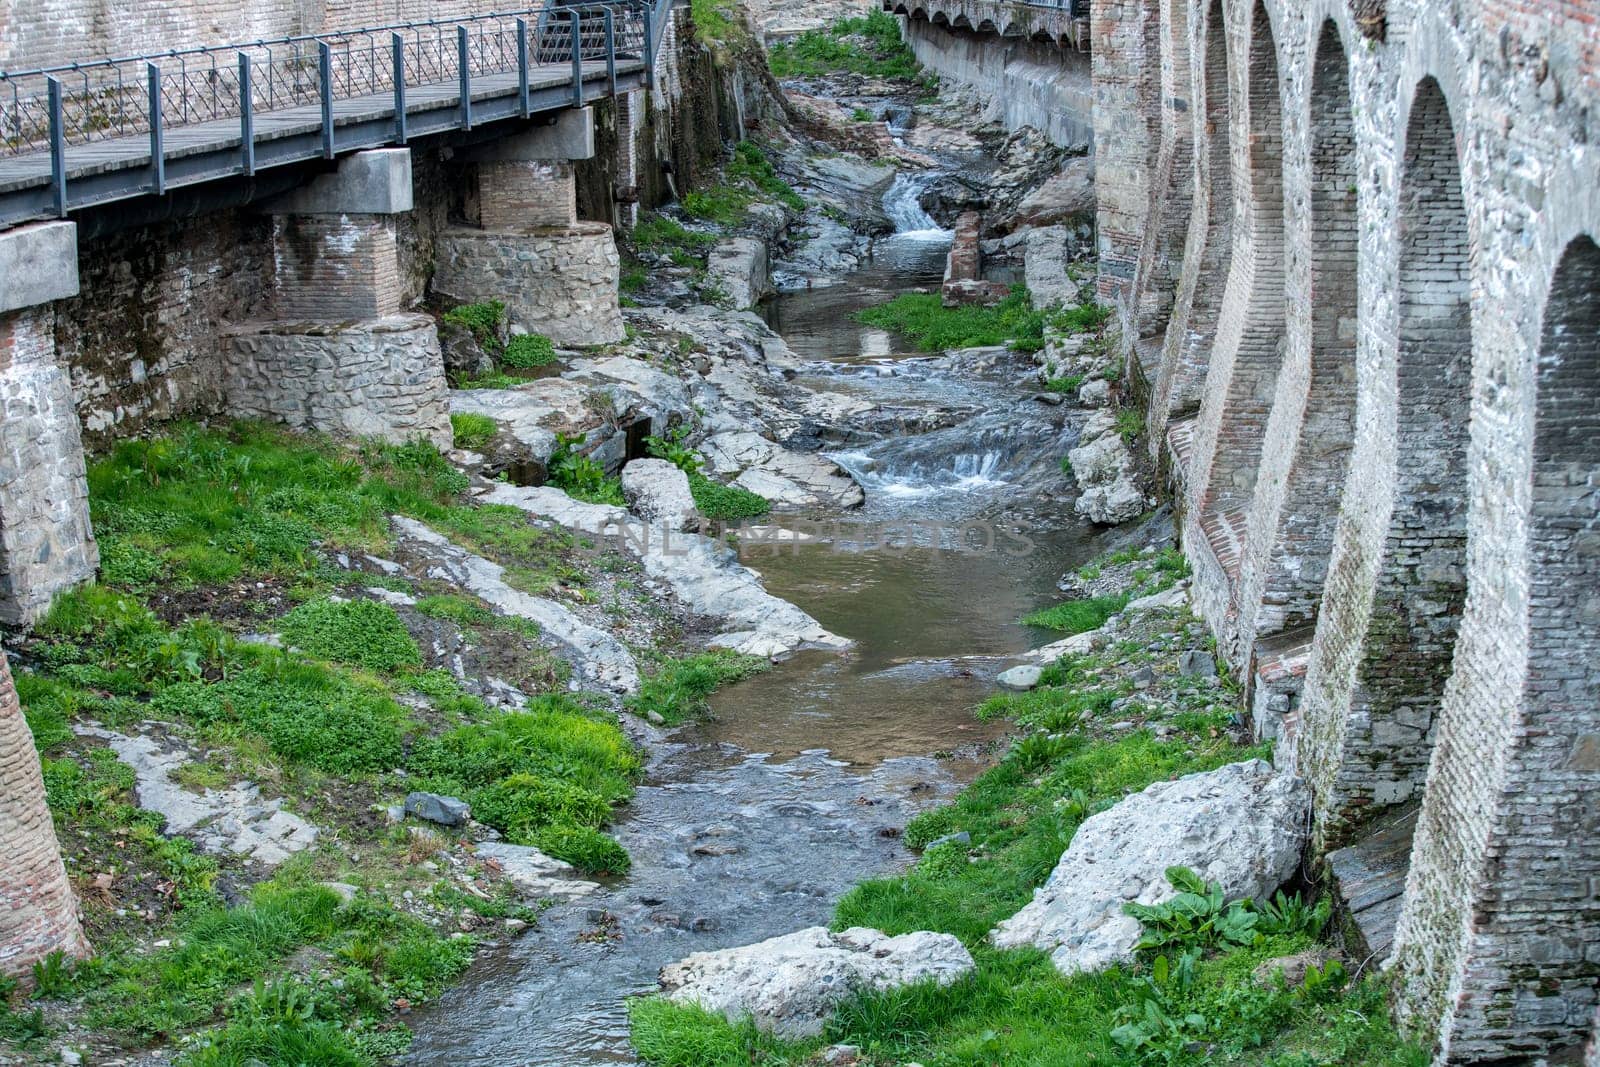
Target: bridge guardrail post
464,61
58,148
397,50
523,107
649,48
325,90
247,118
158,159
577,58
611,51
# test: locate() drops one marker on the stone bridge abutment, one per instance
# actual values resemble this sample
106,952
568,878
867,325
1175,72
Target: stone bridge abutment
1376,393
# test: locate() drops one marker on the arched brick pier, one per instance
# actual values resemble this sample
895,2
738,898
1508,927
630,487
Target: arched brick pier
1387,323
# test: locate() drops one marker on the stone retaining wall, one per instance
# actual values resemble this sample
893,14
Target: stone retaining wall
561,281
377,378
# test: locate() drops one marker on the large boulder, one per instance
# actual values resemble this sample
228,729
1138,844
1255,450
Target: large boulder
737,267
658,493
789,985
1047,250
1242,826
1104,468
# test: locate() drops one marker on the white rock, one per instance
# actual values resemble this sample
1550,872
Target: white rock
1176,596
789,985
233,820
1076,645
1095,394
533,872
795,480
738,267
1109,505
1020,678
1100,461
598,658
703,573
658,493
1045,256
1242,826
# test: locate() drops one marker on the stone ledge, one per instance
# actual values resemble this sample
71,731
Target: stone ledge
38,264
374,182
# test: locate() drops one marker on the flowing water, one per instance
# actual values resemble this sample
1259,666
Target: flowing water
754,823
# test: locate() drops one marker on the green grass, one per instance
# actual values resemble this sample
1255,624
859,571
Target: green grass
750,164
483,320
529,350
921,318
868,45
357,633
658,233
549,776
715,21
1078,616
1081,318
473,431
678,689
725,502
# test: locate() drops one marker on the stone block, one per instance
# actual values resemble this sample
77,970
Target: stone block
374,182
38,264
569,137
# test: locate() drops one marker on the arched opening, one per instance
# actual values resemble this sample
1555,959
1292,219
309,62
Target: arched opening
1194,355
1421,584
1260,349
1299,565
1539,943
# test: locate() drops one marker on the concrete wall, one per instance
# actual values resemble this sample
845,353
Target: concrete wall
1386,318
1028,83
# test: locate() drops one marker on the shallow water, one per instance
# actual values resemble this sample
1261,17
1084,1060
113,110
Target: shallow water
753,823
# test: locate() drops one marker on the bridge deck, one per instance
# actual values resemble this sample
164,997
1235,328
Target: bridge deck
120,168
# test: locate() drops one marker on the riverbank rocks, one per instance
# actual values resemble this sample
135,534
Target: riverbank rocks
1242,826
658,493
704,574
1020,678
599,660
789,985
1046,254
532,872
736,268
1104,468
437,808
788,479
234,820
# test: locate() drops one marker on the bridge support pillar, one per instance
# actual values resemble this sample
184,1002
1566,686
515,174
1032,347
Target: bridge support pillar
556,275
46,542
340,356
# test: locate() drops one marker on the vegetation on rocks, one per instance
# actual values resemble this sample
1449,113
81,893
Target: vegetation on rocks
923,320
869,44
213,540
471,430
1202,990
677,690
712,499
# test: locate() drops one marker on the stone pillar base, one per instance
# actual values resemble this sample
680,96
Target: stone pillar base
558,281
379,378
46,544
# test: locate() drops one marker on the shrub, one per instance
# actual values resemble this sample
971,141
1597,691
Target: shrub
725,502
591,851
529,350
361,633
869,45
472,430
483,319
678,689
580,476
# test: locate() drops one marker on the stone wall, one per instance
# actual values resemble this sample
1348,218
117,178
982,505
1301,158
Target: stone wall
1376,387
560,281
45,539
1028,83
380,377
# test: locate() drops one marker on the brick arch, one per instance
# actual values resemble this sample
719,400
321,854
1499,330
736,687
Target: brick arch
1499,942
1208,250
1420,588
1307,513
1255,296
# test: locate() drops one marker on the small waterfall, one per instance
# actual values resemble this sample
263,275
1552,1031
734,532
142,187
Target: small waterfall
901,204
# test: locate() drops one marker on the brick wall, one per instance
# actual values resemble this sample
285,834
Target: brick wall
526,194
333,268
1423,484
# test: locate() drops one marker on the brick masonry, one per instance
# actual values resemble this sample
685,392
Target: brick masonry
1387,328
38,914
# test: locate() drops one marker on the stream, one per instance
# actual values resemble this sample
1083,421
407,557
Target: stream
755,822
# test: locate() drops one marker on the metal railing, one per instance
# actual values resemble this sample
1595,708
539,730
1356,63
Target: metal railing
81,103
